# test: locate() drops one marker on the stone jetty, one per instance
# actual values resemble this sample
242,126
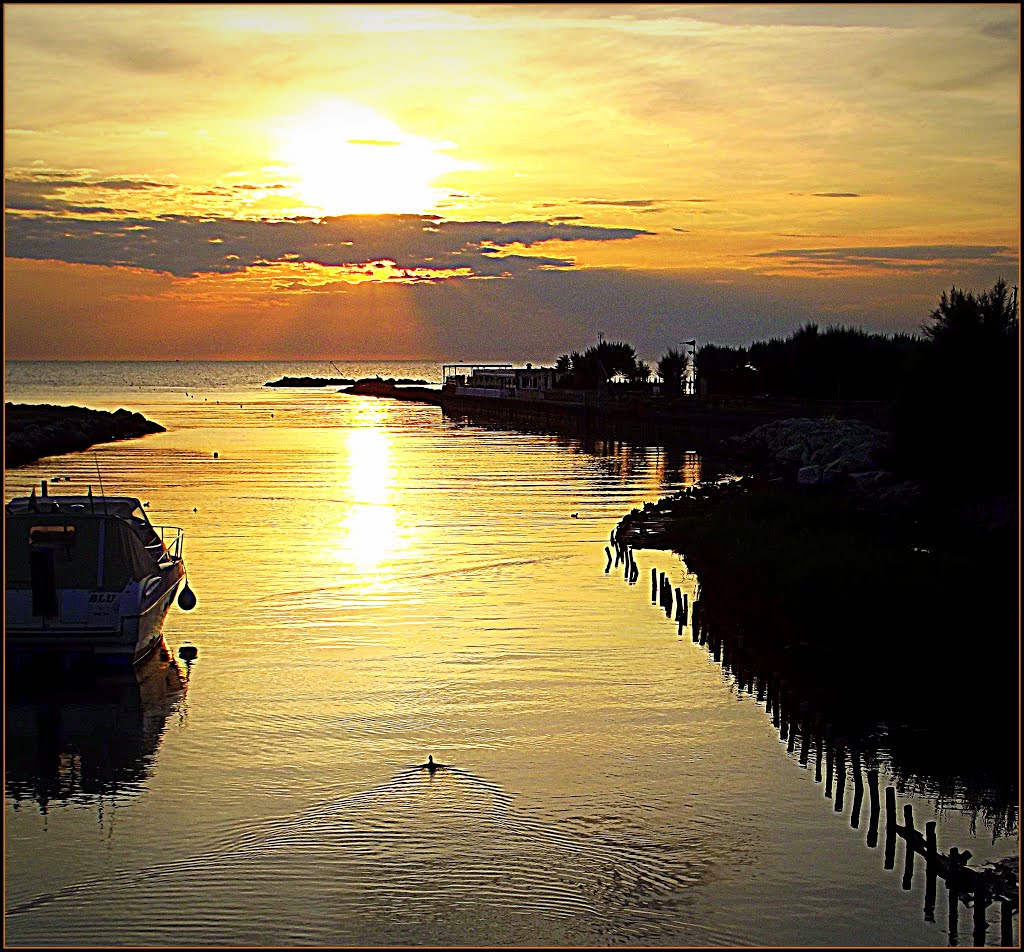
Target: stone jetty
33,431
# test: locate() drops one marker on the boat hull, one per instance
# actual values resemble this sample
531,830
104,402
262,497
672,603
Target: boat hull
117,639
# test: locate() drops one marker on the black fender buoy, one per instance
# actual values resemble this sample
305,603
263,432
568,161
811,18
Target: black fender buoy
186,599
188,653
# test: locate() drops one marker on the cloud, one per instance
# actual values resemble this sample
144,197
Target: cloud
835,194
905,257
623,203
49,192
185,245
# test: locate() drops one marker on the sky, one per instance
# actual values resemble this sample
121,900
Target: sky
497,182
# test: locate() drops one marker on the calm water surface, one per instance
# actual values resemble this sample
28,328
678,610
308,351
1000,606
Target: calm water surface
378,583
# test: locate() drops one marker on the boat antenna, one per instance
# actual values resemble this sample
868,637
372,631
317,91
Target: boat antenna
103,492
335,366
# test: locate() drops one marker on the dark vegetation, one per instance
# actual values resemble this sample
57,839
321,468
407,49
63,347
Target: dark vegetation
956,420
951,392
839,363
32,431
898,623
898,628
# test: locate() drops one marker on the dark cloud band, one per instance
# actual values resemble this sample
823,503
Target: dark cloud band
186,245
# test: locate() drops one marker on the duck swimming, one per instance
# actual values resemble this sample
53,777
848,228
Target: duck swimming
430,765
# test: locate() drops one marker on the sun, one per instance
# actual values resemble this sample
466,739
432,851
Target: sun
346,159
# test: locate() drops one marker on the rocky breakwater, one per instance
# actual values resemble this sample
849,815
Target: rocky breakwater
378,387
842,454
33,431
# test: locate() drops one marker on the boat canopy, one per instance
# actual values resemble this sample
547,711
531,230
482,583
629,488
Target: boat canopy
74,539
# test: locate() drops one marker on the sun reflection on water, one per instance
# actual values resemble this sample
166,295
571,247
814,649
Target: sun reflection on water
369,534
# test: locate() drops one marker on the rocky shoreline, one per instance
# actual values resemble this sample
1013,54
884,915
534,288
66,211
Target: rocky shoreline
32,431
873,601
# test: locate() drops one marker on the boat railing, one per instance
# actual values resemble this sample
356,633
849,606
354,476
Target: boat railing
172,541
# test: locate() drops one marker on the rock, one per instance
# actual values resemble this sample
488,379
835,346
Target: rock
37,430
809,475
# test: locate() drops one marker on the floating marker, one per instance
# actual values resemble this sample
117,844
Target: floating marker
187,599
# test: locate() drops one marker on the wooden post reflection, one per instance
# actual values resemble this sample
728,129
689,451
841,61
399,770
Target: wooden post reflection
953,895
858,789
890,827
908,830
931,869
1006,922
873,819
980,903
818,744
828,771
805,736
840,776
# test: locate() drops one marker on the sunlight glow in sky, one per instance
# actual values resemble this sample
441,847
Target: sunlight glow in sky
348,160
521,177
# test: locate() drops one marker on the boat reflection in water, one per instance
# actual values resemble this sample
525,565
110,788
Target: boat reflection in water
75,737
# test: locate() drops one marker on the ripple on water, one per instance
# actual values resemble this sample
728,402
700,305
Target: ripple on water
379,856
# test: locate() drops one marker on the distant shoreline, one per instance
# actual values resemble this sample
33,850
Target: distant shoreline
33,431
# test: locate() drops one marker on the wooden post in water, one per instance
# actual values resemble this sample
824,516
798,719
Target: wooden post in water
654,586
908,830
828,771
679,605
890,827
608,553
873,818
685,607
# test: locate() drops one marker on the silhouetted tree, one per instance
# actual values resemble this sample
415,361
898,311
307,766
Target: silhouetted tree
563,365
640,372
671,368
839,363
597,365
956,422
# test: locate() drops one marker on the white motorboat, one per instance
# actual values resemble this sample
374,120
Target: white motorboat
89,576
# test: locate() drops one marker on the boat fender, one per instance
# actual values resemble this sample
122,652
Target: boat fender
188,653
186,599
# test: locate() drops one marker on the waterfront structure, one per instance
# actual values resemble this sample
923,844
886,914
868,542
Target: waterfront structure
497,380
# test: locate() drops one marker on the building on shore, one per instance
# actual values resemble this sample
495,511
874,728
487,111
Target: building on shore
497,380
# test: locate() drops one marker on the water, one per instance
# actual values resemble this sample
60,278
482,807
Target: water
378,583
